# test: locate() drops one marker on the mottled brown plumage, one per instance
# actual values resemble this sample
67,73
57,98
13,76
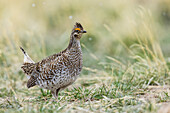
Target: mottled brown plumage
58,71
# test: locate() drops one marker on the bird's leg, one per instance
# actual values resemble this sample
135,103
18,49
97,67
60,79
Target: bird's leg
55,92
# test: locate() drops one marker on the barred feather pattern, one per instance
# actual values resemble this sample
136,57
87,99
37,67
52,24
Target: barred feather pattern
59,72
28,68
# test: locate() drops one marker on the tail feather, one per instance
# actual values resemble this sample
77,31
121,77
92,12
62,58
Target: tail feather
23,50
27,59
28,68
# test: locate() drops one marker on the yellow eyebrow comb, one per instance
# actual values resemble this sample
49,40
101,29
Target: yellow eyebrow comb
77,29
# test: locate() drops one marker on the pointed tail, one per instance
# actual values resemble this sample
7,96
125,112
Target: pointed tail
23,50
27,59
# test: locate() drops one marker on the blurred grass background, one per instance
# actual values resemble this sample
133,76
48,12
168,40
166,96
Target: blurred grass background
125,39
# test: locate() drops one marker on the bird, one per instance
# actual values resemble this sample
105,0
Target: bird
58,71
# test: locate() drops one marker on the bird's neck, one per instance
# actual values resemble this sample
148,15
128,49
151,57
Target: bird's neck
74,43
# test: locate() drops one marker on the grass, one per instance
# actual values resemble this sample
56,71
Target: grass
125,54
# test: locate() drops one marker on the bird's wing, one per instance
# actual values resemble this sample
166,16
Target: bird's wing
31,82
29,69
54,65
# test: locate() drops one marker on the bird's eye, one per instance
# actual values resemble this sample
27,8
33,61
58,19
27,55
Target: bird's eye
77,31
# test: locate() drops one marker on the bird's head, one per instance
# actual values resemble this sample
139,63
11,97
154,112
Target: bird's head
77,31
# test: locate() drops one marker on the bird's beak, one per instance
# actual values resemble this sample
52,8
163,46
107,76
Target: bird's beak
84,31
